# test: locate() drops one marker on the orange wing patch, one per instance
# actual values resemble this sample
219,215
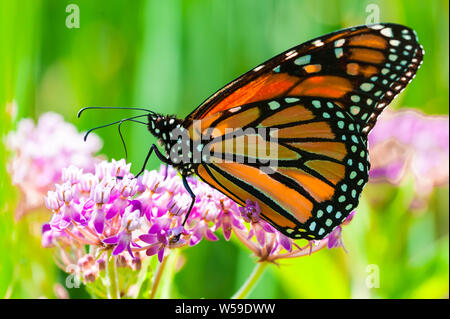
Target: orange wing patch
333,172
317,129
197,128
253,146
366,55
327,86
239,120
297,113
235,193
206,177
368,40
336,150
291,200
312,68
265,87
319,190
357,69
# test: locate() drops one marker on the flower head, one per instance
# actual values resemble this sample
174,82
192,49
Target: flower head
258,227
42,155
114,213
409,142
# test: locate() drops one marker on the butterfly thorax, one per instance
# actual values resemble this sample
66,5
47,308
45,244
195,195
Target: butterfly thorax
174,138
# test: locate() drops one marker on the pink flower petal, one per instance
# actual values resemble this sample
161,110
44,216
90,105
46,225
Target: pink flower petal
152,250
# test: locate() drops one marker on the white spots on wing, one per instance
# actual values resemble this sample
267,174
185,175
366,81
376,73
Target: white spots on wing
367,86
376,27
318,43
273,105
291,99
235,109
355,98
291,54
394,42
305,59
258,68
393,57
339,43
339,52
387,32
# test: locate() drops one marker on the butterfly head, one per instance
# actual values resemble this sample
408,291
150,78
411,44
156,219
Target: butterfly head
162,126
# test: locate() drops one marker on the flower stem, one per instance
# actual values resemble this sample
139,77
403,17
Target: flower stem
112,280
157,279
142,276
251,281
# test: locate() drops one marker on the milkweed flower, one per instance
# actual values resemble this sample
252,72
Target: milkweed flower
406,143
124,220
41,153
258,227
271,245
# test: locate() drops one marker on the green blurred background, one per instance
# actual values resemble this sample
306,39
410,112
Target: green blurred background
170,56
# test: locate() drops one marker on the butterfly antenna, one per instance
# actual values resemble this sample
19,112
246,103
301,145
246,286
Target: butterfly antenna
116,122
112,108
123,141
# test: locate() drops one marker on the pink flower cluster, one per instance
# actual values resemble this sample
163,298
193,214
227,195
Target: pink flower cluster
40,152
406,143
110,210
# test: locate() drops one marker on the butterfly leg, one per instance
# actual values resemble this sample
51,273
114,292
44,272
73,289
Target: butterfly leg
188,188
157,152
166,172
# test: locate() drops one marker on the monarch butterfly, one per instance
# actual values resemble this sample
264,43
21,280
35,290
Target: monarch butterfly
314,104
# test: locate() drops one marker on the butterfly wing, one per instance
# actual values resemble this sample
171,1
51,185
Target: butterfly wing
302,159
361,69
321,98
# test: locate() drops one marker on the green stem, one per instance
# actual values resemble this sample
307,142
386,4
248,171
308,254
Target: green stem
251,281
112,280
158,275
142,276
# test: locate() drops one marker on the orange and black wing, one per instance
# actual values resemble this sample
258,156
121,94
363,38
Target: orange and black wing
361,69
302,159
300,120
